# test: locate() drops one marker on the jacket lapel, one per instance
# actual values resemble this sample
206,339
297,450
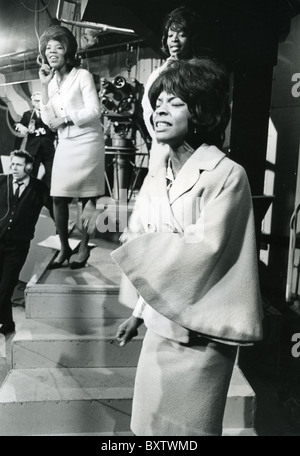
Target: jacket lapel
204,158
11,189
66,84
160,199
69,80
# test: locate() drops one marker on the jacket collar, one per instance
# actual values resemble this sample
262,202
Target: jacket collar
67,82
205,158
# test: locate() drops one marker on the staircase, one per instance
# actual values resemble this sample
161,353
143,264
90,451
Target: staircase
68,376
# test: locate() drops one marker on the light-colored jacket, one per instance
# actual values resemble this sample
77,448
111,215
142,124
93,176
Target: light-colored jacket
77,98
191,251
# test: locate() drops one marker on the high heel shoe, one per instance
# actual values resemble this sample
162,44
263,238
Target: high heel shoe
79,264
59,264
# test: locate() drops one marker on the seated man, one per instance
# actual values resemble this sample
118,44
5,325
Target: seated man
21,200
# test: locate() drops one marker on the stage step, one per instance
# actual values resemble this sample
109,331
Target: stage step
74,301
47,401
72,343
95,400
68,376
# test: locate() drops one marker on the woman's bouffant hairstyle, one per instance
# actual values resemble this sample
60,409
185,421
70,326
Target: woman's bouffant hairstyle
182,19
66,38
203,84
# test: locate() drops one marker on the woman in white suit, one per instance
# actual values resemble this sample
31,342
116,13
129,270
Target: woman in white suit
190,253
70,105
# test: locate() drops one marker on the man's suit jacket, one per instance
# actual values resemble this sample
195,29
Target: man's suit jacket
37,139
18,220
191,253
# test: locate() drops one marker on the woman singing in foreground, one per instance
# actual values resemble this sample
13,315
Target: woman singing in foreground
190,252
70,105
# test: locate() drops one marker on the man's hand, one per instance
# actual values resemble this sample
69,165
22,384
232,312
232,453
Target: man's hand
21,128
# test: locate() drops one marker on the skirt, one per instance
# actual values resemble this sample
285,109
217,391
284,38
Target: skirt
180,389
79,167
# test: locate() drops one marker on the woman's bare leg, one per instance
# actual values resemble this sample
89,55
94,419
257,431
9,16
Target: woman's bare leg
84,248
61,216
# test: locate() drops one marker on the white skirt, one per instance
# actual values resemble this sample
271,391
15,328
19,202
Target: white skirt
180,389
79,167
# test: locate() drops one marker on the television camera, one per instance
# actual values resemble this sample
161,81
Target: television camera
122,118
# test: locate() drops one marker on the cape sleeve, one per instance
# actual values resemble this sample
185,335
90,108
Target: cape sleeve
205,279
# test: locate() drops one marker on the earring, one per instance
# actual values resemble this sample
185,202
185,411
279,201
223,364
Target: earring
195,130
